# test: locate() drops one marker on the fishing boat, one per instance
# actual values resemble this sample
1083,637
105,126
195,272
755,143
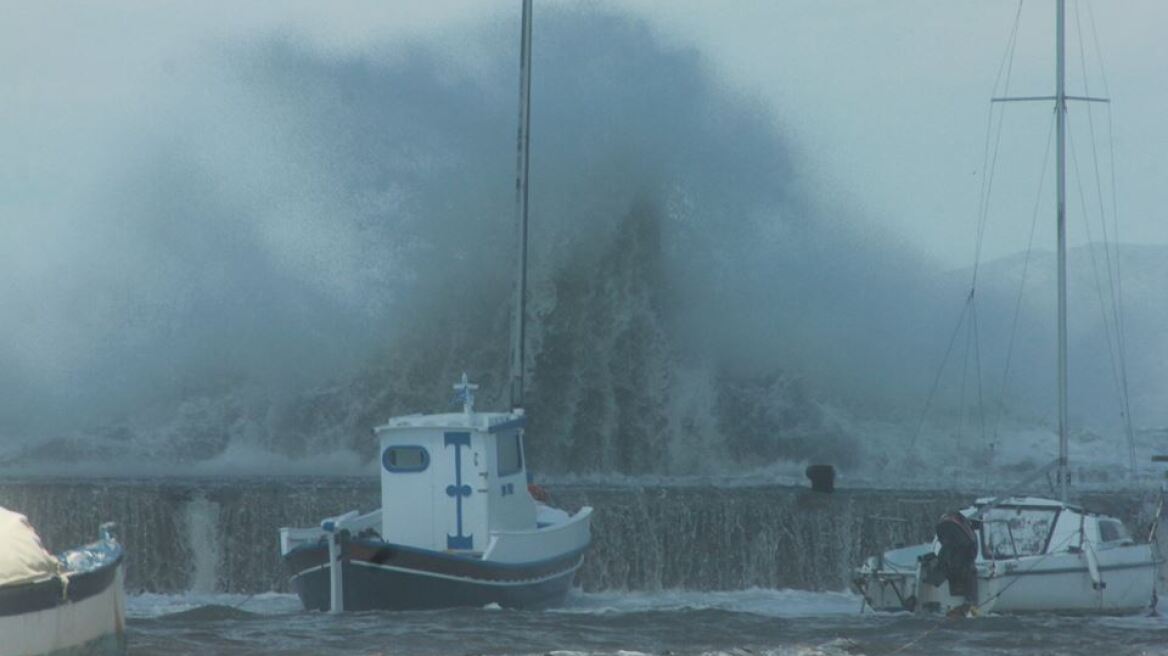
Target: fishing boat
459,524
1021,554
69,603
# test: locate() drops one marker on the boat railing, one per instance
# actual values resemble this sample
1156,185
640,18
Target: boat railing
290,538
1018,489
539,543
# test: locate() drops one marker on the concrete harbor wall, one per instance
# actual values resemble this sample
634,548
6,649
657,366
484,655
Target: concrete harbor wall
222,535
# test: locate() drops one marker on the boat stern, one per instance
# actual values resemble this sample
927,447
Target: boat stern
888,582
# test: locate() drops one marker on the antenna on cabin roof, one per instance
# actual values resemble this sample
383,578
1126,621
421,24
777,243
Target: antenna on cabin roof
465,390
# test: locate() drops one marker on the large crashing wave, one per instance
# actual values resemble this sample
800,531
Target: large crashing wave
312,242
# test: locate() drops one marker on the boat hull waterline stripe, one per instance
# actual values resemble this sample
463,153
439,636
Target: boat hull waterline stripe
450,577
370,586
50,593
304,558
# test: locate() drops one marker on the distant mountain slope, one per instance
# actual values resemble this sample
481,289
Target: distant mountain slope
1092,386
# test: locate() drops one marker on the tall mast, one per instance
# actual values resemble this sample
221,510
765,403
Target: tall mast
1060,109
519,327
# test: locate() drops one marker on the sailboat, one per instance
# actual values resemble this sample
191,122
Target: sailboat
459,524
1018,554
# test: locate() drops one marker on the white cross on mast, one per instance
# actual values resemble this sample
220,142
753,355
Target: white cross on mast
465,390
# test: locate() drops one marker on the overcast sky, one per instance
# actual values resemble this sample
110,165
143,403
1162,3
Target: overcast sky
887,101
181,194
890,98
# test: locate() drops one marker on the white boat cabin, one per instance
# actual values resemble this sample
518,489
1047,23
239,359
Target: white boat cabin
1029,526
457,483
448,481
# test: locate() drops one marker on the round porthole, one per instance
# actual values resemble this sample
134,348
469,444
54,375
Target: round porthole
403,459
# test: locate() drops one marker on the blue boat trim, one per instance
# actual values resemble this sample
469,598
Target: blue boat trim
405,470
458,491
518,422
50,593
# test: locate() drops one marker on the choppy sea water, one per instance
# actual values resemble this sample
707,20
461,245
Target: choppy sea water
678,623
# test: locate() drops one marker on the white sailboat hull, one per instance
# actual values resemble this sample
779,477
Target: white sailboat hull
1018,555
1057,583
1053,583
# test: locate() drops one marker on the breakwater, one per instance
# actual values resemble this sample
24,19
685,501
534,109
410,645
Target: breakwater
221,535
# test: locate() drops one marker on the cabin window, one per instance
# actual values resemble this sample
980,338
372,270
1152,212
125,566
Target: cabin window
510,453
1112,531
1014,532
405,459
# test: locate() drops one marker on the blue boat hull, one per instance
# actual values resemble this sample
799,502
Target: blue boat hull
384,576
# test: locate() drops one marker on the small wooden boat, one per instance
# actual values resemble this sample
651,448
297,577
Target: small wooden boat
458,525
70,603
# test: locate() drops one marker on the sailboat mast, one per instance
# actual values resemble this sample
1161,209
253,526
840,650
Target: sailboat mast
1060,109
519,327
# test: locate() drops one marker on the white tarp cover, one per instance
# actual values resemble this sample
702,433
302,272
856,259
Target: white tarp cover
22,558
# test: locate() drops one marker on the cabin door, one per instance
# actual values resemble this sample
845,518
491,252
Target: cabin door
463,499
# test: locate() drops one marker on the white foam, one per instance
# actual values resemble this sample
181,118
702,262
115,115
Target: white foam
759,601
150,605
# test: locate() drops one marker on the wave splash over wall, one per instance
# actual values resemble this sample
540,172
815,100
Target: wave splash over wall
326,241
318,240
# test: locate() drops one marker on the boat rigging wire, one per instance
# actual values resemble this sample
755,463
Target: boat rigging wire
940,370
1121,321
1022,283
977,361
1116,369
1112,313
1111,170
1006,67
1111,347
989,166
1113,277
